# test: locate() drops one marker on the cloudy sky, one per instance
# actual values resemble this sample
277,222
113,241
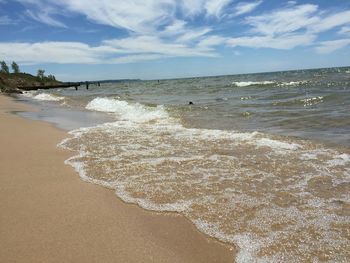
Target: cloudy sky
150,39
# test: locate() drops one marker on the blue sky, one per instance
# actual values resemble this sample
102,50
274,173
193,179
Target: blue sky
151,39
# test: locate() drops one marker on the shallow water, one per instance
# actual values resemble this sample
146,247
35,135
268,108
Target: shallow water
261,161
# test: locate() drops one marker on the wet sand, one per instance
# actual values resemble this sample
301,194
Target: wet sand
47,214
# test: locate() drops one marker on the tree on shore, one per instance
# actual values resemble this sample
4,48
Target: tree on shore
51,77
15,67
4,67
41,74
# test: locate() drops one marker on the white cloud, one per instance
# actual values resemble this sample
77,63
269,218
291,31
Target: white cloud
211,41
54,52
294,18
168,28
192,35
344,30
134,15
216,7
175,28
192,7
182,33
45,18
279,29
331,21
292,26
139,16
286,20
287,41
109,52
208,7
333,45
246,7
152,16
155,45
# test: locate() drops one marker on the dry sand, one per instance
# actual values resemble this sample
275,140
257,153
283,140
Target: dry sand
47,214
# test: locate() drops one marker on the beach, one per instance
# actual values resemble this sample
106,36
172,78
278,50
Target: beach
175,131
49,215
130,171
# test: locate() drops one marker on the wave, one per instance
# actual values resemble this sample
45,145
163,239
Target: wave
293,83
306,102
251,83
43,96
279,84
312,101
127,111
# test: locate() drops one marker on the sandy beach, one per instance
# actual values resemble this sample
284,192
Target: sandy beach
49,215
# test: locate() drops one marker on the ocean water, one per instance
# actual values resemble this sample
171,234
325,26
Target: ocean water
261,161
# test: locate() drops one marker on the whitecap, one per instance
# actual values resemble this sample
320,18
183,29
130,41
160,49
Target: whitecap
292,83
42,96
127,111
250,83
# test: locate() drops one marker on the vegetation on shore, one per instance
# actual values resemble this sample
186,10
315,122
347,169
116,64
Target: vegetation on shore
10,82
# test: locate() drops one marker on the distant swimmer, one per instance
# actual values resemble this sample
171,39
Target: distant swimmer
190,103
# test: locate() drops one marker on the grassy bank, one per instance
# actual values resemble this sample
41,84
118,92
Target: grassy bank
10,82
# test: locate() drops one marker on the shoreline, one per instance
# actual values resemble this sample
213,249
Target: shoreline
48,214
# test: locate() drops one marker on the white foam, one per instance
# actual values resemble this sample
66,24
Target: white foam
312,101
276,145
79,167
248,244
180,206
127,111
308,156
293,83
163,159
250,83
42,96
341,159
28,94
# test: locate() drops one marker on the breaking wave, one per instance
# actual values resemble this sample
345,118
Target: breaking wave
251,83
43,96
127,111
262,83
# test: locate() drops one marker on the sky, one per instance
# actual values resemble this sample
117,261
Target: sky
153,39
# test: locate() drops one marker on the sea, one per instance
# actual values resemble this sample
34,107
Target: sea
259,161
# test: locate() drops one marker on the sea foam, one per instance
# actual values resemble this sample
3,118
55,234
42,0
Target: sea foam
47,97
127,111
260,192
251,83
42,96
292,83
